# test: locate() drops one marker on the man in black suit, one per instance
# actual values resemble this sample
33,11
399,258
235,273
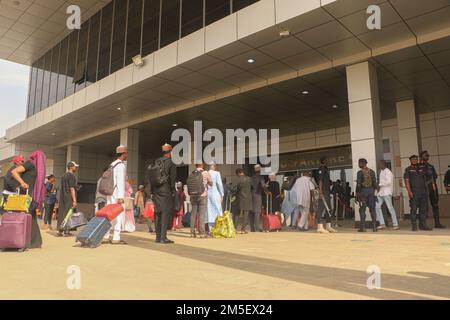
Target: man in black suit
164,195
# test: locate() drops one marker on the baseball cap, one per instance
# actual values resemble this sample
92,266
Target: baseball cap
18,159
72,164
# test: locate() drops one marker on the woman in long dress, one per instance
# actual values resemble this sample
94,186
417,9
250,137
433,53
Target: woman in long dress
31,177
215,196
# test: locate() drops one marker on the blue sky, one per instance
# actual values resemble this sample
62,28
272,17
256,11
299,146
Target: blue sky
13,94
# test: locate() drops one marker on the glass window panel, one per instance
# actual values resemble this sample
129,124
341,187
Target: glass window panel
105,41
80,71
241,4
94,36
118,45
46,83
191,17
170,22
71,63
134,30
32,92
150,36
40,79
216,10
62,70
54,75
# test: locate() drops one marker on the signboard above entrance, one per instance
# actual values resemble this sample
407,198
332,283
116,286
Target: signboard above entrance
338,157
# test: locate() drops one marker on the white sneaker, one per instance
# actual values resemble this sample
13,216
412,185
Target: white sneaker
320,229
381,227
396,228
330,229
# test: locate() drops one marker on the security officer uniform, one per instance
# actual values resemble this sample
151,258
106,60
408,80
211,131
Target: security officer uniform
417,181
433,192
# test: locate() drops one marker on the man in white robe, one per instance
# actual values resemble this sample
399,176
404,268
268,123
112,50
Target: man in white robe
120,173
303,187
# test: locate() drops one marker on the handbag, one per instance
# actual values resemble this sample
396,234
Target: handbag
73,220
149,211
18,202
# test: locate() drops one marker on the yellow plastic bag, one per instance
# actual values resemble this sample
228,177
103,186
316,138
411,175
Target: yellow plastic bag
18,202
224,227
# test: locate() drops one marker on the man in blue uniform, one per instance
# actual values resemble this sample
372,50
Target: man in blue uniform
415,180
433,191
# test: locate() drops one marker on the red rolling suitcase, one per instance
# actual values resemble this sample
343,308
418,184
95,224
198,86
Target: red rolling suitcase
271,221
15,231
111,211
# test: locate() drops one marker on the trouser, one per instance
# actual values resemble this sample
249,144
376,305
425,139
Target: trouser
150,224
434,201
322,210
244,214
198,213
49,213
338,207
388,201
367,198
304,215
176,224
419,202
116,227
255,221
294,216
162,222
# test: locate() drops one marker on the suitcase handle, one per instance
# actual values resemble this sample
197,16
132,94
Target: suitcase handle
269,201
18,191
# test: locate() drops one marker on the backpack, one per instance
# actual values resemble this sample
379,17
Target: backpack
157,175
195,183
287,185
106,184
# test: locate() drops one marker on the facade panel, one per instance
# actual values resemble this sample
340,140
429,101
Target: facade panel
105,42
170,22
150,31
134,30
80,71
192,14
71,63
241,4
216,10
54,75
92,58
40,79
32,91
62,70
119,28
46,82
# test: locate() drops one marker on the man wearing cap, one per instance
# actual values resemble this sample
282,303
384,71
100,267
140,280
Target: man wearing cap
164,195
118,197
325,198
415,181
433,191
67,196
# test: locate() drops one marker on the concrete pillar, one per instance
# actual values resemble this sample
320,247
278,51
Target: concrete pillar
365,120
408,132
73,154
130,138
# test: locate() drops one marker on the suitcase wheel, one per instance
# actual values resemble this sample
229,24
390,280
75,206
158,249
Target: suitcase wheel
22,250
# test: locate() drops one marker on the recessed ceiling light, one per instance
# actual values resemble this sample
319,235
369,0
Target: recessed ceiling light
305,92
119,108
335,106
251,60
175,125
53,134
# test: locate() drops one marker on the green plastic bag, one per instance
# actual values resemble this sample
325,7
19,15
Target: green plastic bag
224,227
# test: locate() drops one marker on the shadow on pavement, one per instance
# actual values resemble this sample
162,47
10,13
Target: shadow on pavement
351,281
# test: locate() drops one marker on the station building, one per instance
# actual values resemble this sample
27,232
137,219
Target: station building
311,68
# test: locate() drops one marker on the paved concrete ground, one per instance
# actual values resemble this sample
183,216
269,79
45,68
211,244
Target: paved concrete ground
285,265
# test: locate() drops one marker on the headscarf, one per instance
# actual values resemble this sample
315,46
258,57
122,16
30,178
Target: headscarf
38,159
